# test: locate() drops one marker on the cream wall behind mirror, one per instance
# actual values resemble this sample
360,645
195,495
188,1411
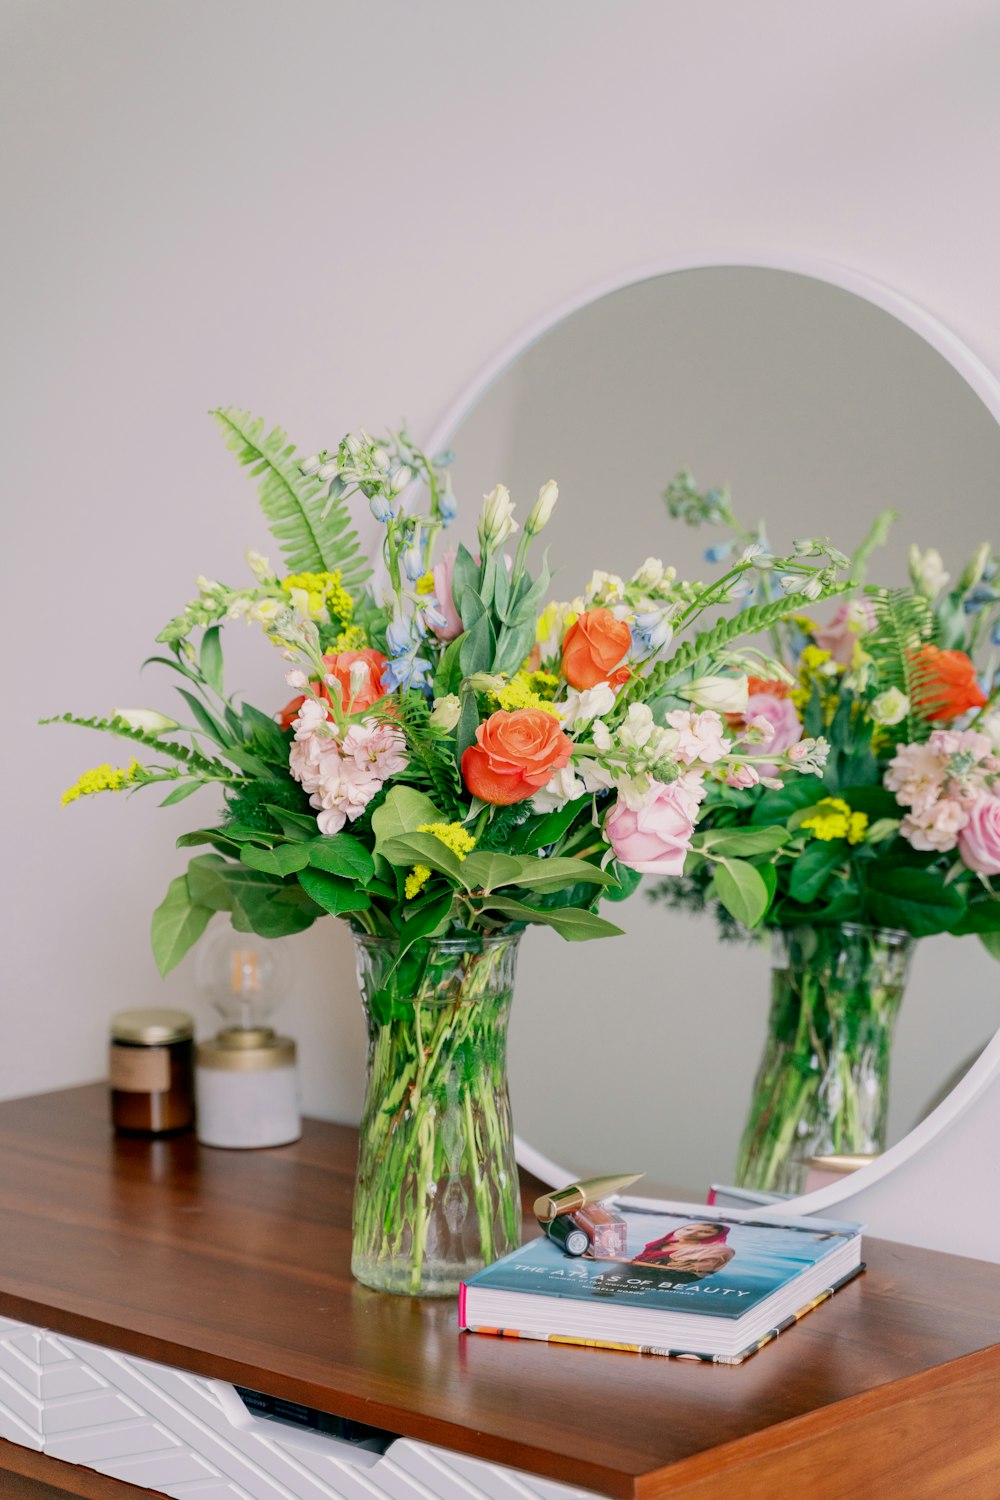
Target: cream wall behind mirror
819,408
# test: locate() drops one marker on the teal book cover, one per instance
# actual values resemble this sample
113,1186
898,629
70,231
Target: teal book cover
718,1265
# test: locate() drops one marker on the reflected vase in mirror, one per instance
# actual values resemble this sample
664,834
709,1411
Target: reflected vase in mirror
437,1190
823,1083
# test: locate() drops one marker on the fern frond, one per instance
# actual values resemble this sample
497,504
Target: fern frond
904,624
196,763
432,756
313,532
710,643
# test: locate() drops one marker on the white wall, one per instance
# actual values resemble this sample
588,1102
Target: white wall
336,213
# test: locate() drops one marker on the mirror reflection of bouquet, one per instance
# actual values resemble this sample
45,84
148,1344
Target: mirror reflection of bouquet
900,840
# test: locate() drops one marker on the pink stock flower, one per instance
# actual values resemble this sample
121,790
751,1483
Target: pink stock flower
342,778
936,827
742,777
443,574
979,840
377,749
960,742
916,774
786,726
654,838
699,736
838,637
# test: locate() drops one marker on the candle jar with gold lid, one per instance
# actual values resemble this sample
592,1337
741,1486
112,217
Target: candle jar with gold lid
247,1089
151,1072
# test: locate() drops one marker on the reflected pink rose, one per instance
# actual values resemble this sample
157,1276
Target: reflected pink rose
979,840
785,723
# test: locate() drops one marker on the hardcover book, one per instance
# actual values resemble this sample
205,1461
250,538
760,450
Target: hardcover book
693,1283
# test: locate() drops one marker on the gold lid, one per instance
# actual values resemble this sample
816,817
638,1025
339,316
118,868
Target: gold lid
247,1050
152,1028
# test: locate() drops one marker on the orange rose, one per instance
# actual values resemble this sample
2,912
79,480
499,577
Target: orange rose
514,754
772,686
338,663
948,686
594,646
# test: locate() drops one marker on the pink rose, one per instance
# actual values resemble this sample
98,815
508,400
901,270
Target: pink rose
979,840
654,838
785,723
851,621
443,572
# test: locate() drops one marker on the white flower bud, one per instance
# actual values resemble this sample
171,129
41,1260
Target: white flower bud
496,520
727,695
258,565
444,714
328,471
650,575
927,571
401,479
146,719
296,679
359,677
353,444
311,465
541,511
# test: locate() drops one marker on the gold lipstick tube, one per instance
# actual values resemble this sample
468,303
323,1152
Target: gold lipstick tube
568,1199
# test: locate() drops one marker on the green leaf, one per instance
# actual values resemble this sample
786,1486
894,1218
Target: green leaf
552,874
448,677
424,849
425,918
538,833
776,806
980,916
292,824
478,647
210,660
314,533
267,737
513,646
742,842
813,867
468,723
991,942
465,575
627,881
177,925
181,790
207,883
741,889
208,723
333,894
285,859
341,854
278,911
213,836
572,923
485,871
918,901
403,810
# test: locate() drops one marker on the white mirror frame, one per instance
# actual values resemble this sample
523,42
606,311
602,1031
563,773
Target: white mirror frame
986,1069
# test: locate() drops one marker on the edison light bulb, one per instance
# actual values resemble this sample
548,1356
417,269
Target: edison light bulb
243,975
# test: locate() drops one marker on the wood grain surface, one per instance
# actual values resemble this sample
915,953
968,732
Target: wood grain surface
236,1265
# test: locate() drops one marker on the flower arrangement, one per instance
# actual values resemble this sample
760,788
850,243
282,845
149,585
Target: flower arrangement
458,755
460,759
902,834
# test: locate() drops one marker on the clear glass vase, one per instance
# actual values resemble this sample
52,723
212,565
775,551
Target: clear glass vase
437,1194
823,1083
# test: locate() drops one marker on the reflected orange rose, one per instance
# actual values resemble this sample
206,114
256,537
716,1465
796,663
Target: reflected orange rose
948,683
594,646
338,664
514,755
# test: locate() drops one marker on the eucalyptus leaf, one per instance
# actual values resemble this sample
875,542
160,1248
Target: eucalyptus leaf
574,924
177,925
284,859
333,894
742,890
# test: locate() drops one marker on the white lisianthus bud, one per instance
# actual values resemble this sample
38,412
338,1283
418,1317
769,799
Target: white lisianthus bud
444,714
353,444
296,679
650,575
927,571
727,695
974,570
401,479
487,682
541,511
258,564
266,611
146,719
359,677
890,707
328,471
496,520
380,459
310,465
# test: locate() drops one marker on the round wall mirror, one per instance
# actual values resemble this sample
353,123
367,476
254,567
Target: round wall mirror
819,408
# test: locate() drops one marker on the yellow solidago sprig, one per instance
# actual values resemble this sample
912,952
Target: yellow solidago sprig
105,778
834,819
319,594
454,837
527,690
